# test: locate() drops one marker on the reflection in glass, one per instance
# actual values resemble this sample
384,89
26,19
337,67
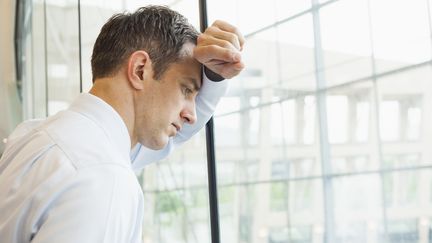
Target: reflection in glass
62,55
401,189
345,41
357,203
400,41
389,120
295,56
337,108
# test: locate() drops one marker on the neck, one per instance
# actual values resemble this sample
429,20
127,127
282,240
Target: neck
119,96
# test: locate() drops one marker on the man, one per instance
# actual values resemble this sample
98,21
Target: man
70,178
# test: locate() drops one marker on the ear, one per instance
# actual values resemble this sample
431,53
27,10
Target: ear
138,68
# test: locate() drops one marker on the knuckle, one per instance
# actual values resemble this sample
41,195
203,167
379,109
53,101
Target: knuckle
201,38
217,22
226,44
235,29
211,29
233,38
212,47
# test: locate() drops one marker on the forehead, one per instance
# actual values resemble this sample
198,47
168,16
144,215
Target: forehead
187,65
186,69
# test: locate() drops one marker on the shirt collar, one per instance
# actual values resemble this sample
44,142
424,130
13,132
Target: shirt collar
107,118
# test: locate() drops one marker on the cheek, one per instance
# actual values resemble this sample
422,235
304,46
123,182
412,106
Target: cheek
174,101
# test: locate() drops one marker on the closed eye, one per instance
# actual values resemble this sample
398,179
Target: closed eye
187,91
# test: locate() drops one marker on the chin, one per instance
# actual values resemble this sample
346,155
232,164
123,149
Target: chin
157,144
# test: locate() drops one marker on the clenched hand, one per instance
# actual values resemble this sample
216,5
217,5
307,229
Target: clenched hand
219,49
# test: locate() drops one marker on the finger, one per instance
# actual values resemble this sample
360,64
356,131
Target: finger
207,40
230,28
207,53
231,70
224,35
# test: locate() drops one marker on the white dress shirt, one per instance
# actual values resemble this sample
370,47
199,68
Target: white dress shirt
69,178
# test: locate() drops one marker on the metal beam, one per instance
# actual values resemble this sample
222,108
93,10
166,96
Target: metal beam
211,158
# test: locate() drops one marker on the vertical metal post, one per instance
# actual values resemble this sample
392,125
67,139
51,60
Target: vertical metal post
46,58
79,46
211,158
329,219
376,112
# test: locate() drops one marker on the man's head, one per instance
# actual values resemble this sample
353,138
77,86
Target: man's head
143,66
158,30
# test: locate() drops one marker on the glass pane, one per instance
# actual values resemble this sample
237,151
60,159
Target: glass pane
358,208
94,14
62,54
405,230
228,128
345,41
248,20
245,208
404,112
296,61
402,189
400,41
283,122
36,104
285,9
176,216
338,118
350,128
176,195
407,195
260,57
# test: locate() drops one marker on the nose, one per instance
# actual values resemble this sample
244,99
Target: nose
188,114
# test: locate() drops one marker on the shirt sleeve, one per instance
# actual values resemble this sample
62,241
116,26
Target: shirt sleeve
206,101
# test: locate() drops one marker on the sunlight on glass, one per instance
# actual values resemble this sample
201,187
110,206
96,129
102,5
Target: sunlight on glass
286,8
296,54
227,105
283,123
359,198
400,40
309,120
337,116
254,126
229,132
362,122
289,118
276,124
303,167
346,44
389,120
259,57
414,123
255,14
345,30
297,32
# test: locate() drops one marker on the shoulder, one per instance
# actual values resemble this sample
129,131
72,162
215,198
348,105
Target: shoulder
101,203
83,141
